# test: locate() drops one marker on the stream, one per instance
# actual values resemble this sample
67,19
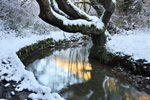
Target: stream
70,73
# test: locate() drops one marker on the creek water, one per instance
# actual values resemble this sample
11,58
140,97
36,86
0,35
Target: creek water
75,77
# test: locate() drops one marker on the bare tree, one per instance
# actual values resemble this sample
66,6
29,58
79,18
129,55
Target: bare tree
66,16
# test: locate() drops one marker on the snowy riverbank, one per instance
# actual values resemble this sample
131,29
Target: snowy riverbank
135,43
23,27
12,69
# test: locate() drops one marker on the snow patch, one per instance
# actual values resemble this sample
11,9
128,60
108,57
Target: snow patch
12,69
114,1
135,43
96,22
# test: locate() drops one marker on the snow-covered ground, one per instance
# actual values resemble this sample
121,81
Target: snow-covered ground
11,65
23,33
135,43
20,26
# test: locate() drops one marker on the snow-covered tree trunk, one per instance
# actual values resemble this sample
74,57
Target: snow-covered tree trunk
74,20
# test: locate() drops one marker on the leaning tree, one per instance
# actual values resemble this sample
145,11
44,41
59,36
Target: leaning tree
66,16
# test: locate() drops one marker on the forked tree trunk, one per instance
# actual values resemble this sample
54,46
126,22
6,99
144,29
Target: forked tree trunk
98,50
67,7
87,27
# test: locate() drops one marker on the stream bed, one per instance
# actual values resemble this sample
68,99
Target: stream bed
74,76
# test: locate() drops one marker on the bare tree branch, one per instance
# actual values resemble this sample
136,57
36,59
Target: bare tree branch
82,26
56,9
49,16
109,6
99,9
71,10
80,2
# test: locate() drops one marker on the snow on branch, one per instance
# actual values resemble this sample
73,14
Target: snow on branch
78,2
82,25
79,25
79,22
92,18
70,9
56,9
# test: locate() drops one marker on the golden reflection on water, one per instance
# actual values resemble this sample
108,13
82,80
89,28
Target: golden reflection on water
79,69
139,96
82,70
76,66
132,94
112,84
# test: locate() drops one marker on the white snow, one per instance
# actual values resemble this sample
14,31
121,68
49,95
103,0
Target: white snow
12,93
6,85
135,43
96,22
93,18
11,65
114,1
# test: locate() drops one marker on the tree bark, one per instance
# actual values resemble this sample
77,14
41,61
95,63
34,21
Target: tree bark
109,9
87,28
70,10
48,16
98,8
53,5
